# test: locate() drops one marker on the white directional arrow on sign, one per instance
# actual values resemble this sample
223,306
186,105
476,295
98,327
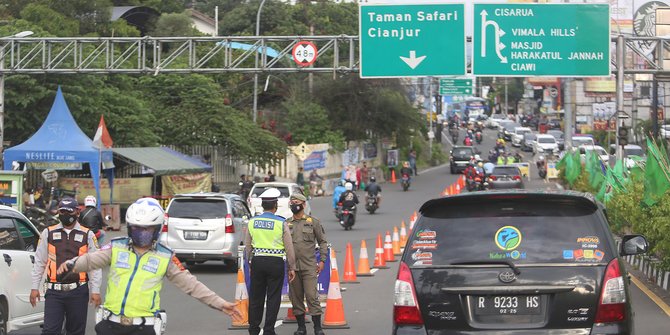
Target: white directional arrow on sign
498,34
412,61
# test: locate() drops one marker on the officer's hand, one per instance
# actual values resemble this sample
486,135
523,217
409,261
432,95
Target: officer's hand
64,267
95,299
319,267
291,275
231,309
34,297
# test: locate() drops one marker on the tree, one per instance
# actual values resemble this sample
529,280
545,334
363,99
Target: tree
50,20
308,122
174,24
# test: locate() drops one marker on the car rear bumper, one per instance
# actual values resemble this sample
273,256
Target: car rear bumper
205,255
505,184
416,330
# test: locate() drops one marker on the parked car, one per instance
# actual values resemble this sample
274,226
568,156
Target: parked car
559,136
600,151
18,242
459,158
505,176
527,143
545,144
528,262
492,122
283,209
664,131
203,227
517,135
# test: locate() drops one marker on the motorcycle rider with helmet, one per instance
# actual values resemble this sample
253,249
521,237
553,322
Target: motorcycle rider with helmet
349,200
373,190
91,218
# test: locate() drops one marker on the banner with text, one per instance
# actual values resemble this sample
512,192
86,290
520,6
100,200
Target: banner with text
126,190
186,183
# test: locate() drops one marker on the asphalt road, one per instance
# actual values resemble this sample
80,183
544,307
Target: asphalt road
368,305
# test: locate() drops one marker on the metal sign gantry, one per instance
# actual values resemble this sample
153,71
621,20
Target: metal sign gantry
154,55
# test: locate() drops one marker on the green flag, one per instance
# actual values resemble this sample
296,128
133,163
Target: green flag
594,169
657,174
573,166
619,173
609,186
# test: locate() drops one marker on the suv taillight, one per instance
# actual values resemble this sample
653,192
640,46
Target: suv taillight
612,304
164,229
516,178
230,228
405,310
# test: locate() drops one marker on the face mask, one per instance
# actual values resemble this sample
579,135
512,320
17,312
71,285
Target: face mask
142,238
296,208
67,219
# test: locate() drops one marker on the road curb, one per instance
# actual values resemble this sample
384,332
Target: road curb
646,272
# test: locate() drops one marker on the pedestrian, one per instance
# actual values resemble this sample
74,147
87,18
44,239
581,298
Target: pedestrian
137,265
358,178
67,296
38,197
91,218
267,244
300,178
306,231
270,177
412,161
365,175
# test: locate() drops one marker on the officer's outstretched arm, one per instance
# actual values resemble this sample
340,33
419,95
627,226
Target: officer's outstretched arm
87,262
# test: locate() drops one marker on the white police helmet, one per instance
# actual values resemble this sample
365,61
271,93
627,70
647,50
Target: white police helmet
271,194
90,201
145,212
348,186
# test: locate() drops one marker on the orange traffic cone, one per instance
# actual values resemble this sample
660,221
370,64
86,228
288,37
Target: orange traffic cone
334,315
461,181
363,262
403,234
393,176
458,189
379,254
349,267
445,192
242,300
395,242
388,248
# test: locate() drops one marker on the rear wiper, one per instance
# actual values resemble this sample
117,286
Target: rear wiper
188,217
490,262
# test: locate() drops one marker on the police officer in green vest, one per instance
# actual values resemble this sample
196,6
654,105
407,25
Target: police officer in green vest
267,244
138,265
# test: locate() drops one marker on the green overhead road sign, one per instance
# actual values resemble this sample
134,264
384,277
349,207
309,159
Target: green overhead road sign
541,40
455,90
455,86
411,40
455,82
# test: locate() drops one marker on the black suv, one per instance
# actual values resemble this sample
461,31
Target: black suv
523,263
459,157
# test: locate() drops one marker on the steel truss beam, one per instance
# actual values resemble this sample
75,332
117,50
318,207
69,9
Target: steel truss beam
154,55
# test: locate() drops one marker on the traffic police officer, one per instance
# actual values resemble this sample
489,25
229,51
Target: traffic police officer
66,296
138,265
267,243
306,231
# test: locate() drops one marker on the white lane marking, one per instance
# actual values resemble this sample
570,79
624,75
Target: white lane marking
374,270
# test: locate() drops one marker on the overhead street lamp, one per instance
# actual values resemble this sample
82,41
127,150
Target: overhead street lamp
258,33
22,34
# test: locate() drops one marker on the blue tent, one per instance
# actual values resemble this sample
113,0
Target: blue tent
60,139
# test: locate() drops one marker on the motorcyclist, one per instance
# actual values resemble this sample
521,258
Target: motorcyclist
337,192
246,184
406,170
91,218
373,190
467,141
493,155
349,199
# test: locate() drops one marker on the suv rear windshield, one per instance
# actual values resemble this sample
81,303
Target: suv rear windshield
546,140
258,190
508,170
198,208
524,230
462,153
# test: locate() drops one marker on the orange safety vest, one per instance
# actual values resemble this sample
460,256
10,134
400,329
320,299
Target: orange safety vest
63,247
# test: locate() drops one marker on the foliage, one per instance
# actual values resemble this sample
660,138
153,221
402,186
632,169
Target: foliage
308,122
173,24
50,20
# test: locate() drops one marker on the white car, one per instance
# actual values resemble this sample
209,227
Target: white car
600,151
492,122
18,242
286,190
545,144
578,141
664,131
517,135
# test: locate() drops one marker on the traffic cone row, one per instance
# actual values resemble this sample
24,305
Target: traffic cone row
334,315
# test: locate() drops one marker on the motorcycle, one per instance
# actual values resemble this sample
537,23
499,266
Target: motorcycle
348,218
371,204
454,135
405,182
541,168
338,211
477,183
479,137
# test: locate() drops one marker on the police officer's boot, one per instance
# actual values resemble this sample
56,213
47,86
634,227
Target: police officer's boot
302,329
316,319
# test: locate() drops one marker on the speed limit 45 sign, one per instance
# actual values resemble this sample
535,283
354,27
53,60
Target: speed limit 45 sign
304,53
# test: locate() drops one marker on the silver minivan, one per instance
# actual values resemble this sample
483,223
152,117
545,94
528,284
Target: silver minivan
202,227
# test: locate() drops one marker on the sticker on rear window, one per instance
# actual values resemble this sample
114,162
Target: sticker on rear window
588,242
508,238
586,255
424,244
422,255
426,234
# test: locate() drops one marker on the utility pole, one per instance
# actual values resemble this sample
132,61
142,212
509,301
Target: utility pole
258,33
569,115
620,64
430,115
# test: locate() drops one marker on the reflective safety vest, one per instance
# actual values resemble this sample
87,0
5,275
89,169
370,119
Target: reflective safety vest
134,285
267,233
501,160
62,247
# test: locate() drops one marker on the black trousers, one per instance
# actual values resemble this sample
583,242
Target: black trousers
106,327
69,305
267,279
